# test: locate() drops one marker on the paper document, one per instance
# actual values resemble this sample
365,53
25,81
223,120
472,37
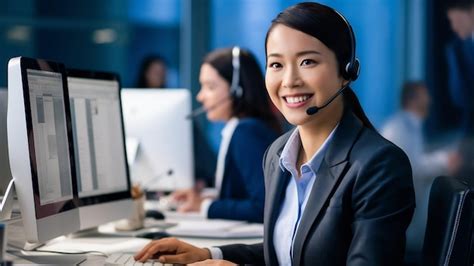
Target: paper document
106,245
211,228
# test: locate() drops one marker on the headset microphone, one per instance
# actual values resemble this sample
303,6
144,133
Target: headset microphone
314,109
198,111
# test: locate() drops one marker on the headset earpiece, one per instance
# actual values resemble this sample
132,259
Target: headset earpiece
352,70
236,90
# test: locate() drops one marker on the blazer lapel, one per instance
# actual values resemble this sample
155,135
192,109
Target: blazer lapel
328,177
274,197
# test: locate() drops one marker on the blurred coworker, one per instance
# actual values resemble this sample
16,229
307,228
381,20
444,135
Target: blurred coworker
242,102
405,130
152,73
460,58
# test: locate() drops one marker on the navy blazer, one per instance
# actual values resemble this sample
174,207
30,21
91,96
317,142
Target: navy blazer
460,59
359,208
242,192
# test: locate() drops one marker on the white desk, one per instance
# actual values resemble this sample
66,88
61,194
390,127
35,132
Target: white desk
131,244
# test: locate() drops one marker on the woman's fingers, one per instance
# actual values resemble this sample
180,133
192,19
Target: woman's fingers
165,245
171,250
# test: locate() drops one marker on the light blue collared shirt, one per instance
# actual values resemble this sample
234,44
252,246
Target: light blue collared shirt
297,194
296,197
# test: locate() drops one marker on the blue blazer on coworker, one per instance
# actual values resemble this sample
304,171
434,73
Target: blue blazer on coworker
242,192
460,59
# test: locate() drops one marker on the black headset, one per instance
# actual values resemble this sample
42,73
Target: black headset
352,69
350,72
236,90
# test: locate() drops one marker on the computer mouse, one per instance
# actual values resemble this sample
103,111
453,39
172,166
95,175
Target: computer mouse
154,235
154,214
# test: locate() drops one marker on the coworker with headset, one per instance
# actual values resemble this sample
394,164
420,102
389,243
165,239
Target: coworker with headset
233,90
337,193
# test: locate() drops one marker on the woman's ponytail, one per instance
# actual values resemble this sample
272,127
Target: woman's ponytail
351,99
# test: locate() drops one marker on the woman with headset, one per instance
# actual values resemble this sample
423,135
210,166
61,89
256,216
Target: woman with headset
233,90
337,193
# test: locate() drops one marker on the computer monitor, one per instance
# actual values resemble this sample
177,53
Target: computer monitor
5,174
101,166
156,120
40,148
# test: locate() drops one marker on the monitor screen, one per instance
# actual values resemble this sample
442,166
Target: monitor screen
48,115
101,164
97,128
155,123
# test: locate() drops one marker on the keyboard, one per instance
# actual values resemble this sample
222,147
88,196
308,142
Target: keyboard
127,259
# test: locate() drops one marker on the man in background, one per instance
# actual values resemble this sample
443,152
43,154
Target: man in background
405,129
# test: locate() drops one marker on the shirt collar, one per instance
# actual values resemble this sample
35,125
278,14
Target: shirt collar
229,127
289,155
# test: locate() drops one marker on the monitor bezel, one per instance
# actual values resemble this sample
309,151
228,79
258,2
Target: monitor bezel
126,194
49,209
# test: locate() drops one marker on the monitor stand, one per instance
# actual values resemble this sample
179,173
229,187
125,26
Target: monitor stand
16,238
16,235
49,258
24,250
15,231
7,203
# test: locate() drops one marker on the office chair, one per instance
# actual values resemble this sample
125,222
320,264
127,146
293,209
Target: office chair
449,230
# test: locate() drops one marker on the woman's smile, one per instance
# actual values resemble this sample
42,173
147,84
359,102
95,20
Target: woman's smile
297,100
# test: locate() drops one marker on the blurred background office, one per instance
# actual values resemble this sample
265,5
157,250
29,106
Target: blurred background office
397,41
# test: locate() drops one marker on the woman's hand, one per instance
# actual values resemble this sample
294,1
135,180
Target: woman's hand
171,250
189,200
214,262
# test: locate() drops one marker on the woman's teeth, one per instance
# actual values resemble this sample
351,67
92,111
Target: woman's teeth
297,99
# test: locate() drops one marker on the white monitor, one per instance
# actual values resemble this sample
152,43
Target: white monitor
5,174
40,148
99,145
155,119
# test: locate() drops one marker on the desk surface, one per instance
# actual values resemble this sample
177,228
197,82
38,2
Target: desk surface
131,244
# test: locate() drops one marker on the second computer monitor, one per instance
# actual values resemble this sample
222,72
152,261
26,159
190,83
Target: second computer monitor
101,165
156,123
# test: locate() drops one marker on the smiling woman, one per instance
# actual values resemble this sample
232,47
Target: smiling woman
337,193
